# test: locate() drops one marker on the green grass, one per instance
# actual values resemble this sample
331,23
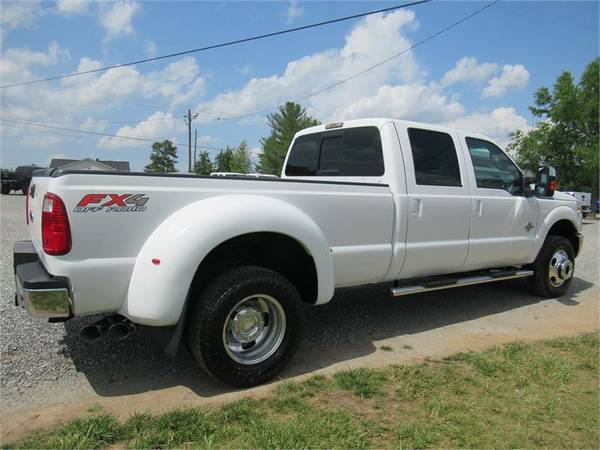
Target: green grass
520,395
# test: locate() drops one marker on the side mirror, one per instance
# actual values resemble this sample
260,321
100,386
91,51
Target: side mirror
528,186
545,181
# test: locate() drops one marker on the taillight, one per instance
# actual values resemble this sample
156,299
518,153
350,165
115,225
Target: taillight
27,205
56,233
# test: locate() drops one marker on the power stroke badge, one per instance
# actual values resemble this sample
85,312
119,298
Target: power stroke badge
109,203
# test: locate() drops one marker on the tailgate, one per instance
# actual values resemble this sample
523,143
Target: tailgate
35,199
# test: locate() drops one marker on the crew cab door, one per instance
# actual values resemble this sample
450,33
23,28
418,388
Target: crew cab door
503,221
439,203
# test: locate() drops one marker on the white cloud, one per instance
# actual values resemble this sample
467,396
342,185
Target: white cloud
410,101
467,69
91,124
293,12
208,140
158,126
244,70
319,70
512,77
496,124
150,49
116,19
15,63
21,14
72,6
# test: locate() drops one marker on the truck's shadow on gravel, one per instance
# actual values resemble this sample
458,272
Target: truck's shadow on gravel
340,331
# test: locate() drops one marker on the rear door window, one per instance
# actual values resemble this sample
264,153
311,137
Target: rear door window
434,158
353,152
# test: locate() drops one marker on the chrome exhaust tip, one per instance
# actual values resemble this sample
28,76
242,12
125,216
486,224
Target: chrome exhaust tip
121,330
90,333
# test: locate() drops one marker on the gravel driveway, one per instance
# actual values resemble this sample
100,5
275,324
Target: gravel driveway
44,365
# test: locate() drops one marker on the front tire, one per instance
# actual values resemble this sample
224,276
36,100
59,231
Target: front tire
553,268
245,325
5,189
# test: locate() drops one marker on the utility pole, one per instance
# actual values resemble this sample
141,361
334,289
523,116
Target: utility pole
188,121
195,145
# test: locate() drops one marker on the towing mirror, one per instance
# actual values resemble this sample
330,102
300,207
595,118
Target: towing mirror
545,181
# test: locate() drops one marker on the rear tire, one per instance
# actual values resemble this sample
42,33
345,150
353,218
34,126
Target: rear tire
245,325
5,189
553,267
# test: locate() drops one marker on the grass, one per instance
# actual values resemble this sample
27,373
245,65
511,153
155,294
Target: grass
536,395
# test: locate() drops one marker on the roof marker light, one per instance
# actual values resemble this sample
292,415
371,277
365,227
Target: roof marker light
155,261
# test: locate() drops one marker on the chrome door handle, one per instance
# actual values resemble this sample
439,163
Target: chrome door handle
416,207
477,208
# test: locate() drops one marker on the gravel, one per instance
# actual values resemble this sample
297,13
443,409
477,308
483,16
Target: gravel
43,362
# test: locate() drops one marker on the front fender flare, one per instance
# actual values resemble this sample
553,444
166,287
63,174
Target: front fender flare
557,214
157,292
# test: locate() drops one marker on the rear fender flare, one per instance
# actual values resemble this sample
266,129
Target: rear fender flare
158,290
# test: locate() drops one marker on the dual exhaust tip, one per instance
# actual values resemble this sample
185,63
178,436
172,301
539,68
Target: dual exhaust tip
117,327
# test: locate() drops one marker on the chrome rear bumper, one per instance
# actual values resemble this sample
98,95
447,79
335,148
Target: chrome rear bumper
41,294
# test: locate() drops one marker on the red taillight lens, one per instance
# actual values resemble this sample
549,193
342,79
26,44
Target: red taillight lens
56,233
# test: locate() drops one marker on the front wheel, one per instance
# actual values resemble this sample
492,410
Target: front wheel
245,325
5,189
554,267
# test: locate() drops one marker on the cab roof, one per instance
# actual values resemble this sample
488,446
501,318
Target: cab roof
379,121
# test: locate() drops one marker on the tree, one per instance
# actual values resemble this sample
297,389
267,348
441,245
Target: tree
567,137
224,160
203,166
284,124
241,160
162,158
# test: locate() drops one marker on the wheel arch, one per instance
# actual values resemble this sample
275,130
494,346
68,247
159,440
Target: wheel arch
561,221
566,229
157,293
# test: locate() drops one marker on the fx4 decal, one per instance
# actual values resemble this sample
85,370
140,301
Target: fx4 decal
112,203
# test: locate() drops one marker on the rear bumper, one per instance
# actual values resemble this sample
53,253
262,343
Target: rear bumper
41,294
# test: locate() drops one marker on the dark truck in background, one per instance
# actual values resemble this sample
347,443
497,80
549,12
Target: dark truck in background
17,180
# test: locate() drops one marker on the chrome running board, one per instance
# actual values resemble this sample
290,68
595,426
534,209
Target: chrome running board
448,283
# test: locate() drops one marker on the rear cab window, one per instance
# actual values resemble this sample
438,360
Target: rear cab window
350,152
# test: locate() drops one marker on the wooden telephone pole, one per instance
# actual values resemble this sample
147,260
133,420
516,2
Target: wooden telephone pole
188,121
195,146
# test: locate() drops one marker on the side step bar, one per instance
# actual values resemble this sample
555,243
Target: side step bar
448,283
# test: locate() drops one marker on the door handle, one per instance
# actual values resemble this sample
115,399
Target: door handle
477,208
416,207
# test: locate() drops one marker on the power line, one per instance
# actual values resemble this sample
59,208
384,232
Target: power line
214,46
30,13
374,66
95,133
332,86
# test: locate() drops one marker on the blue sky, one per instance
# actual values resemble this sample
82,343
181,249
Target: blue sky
479,76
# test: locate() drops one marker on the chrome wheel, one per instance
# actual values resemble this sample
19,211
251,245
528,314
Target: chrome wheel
561,268
254,329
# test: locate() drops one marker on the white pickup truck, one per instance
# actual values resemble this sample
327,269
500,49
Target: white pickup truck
223,264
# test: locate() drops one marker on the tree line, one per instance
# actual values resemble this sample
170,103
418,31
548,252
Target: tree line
566,137
285,123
